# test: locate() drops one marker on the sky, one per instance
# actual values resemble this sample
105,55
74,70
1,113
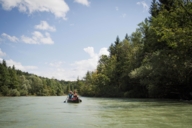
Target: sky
63,39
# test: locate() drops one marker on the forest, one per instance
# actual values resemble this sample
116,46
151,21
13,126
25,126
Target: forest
155,61
17,83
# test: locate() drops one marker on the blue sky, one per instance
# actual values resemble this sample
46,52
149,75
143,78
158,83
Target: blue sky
63,39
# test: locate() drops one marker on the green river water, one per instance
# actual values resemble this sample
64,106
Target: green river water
52,112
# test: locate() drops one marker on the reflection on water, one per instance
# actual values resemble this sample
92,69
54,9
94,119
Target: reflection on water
49,112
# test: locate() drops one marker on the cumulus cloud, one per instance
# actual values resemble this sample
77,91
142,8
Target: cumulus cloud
83,2
90,51
145,6
76,69
37,38
2,53
45,26
82,66
19,66
57,7
58,70
103,51
11,38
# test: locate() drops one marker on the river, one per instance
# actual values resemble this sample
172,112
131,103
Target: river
52,112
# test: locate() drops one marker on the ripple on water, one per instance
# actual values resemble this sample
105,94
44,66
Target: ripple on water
48,112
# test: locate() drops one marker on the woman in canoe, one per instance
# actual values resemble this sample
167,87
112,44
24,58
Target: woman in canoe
75,96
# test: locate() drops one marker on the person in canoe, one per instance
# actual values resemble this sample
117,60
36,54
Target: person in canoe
75,96
70,96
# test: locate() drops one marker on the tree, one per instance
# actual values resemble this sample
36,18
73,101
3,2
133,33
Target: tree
127,37
13,78
167,52
5,78
37,85
154,9
25,86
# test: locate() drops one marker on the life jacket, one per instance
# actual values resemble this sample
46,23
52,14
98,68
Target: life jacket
70,96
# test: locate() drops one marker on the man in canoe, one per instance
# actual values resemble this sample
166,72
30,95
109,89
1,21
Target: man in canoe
70,96
75,98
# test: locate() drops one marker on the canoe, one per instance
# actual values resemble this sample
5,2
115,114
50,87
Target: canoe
74,101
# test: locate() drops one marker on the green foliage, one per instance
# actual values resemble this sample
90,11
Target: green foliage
4,77
154,91
13,78
23,92
4,90
17,83
155,61
14,92
130,94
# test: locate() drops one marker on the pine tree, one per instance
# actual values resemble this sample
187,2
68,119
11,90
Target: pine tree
127,37
13,78
153,9
5,73
117,41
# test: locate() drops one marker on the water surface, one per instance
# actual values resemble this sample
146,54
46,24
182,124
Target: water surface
52,112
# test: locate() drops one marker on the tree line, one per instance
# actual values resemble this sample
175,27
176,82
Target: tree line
17,83
155,61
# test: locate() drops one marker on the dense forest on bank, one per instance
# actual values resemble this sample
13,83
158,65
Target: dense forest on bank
155,61
17,83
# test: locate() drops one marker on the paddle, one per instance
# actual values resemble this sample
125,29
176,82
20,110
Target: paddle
65,100
79,99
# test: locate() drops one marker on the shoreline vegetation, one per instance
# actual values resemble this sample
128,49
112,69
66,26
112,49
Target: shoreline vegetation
17,83
155,61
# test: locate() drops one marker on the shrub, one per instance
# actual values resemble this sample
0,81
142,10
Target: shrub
14,92
23,92
4,90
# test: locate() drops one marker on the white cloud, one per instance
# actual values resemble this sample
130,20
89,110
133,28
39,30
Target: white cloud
82,66
38,38
11,38
83,2
85,65
76,69
45,26
90,51
145,6
56,64
58,7
103,51
2,53
116,8
63,71
19,66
